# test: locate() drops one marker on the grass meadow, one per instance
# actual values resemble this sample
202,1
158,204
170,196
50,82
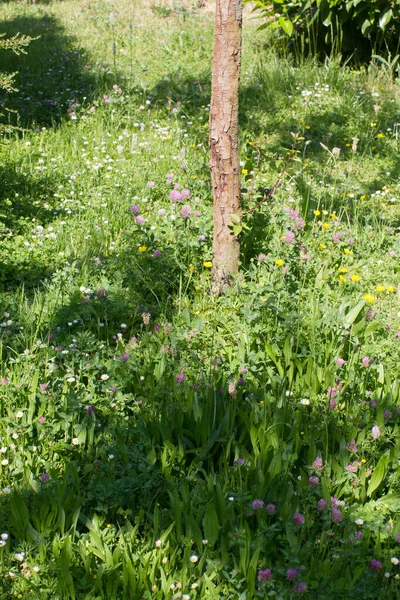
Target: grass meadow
159,442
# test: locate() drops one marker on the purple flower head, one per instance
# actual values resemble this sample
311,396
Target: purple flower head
397,334
371,314
241,381
239,462
352,446
318,464
156,253
135,210
351,468
185,193
270,508
45,477
334,501
42,420
375,565
180,378
336,515
387,414
376,432
372,403
289,238
185,212
257,504
90,411
332,393
397,538
292,574
202,238
313,481
43,387
336,237
264,575
340,361
321,505
366,361
124,357
358,535
261,257
298,519
150,184
175,196
139,220
299,223
161,212
300,587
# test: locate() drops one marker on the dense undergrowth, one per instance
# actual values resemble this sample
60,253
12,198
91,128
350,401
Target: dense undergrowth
156,441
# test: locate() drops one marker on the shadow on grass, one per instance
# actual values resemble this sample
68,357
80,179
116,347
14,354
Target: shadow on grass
52,75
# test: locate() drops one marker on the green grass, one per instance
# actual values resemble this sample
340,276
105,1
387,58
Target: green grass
128,392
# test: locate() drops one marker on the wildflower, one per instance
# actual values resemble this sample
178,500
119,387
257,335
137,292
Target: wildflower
257,504
139,220
36,569
339,361
270,508
375,566
135,210
71,379
298,519
20,556
366,361
19,414
387,414
395,561
317,464
321,505
157,543
369,298
300,587
380,288
45,477
146,318
75,442
142,248
292,574
90,411
332,393
185,194
351,468
204,542
289,237
336,515
104,377
352,446
150,184
279,262
180,378
193,559
156,253
124,357
376,432
305,402
4,537
175,196
317,213
239,462
355,278
264,575
389,288
185,212
313,481
396,537
207,264
359,522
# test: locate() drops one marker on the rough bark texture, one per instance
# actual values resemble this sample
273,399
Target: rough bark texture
225,162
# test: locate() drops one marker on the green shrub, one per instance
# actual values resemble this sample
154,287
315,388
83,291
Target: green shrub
355,28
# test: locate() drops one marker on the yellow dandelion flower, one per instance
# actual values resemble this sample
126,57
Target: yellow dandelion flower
317,213
325,225
322,246
333,216
363,197
207,264
279,262
244,171
142,248
347,251
369,298
389,288
355,278
373,124
344,270
308,127
380,136
380,288
342,279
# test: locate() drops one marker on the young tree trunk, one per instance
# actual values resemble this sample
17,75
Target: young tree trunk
224,147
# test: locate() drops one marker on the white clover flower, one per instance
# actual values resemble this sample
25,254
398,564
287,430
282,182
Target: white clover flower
36,569
185,597
394,561
231,498
2,543
71,379
104,377
4,462
6,490
205,542
359,522
194,586
172,586
194,558
157,543
75,442
4,536
3,449
20,556
305,402
19,414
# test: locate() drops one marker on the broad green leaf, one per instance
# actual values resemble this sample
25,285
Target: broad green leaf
211,524
377,475
353,314
385,18
286,25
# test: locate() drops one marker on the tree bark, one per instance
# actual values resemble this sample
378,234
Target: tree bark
224,146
